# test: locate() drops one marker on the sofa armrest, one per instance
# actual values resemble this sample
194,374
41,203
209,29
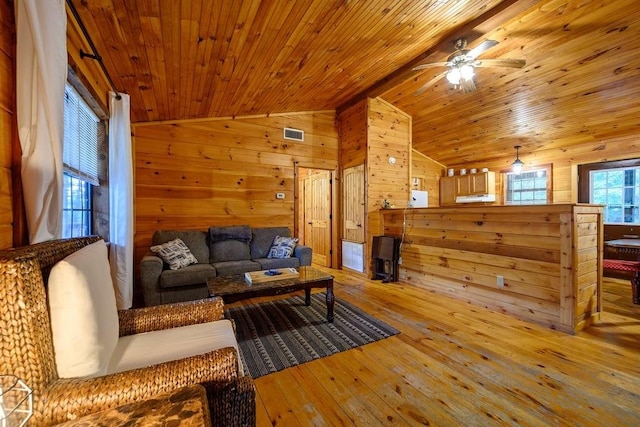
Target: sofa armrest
70,398
151,267
167,316
303,253
232,403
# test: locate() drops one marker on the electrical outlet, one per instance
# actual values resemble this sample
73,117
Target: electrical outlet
399,260
500,281
279,195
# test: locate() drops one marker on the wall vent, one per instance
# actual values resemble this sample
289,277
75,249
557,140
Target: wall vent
294,134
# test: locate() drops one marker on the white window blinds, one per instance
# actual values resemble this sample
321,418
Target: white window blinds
80,150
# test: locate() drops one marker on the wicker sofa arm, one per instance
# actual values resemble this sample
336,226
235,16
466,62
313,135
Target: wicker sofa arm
151,267
167,316
68,399
232,403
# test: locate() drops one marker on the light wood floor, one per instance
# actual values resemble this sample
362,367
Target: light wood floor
458,364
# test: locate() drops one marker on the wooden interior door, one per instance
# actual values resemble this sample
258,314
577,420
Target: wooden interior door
317,214
353,204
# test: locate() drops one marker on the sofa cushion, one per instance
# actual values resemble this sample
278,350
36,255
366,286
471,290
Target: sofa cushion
282,247
231,268
233,232
269,263
132,351
229,250
194,274
175,253
195,240
262,238
84,317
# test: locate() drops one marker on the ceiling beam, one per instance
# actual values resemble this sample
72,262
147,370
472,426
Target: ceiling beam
473,30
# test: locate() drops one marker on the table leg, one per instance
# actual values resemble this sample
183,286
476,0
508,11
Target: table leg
330,301
635,288
307,297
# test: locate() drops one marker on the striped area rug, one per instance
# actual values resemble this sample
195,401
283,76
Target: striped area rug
278,334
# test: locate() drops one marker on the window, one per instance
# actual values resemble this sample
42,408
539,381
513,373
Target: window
80,161
76,207
528,188
619,190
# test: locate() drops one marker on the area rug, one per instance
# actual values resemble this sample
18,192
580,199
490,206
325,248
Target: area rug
279,334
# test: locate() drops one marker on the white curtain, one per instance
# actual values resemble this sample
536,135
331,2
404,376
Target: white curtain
41,70
121,200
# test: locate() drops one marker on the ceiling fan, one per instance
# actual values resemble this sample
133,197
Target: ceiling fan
462,64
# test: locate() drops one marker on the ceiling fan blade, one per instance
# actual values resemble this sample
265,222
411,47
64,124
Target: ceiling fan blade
430,83
478,50
467,85
430,65
506,62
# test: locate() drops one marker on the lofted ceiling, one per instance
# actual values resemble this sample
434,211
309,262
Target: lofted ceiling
204,58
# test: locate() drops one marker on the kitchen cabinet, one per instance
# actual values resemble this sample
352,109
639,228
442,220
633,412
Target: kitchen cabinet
448,191
466,185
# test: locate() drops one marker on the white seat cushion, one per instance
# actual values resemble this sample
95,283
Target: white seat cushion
84,316
152,348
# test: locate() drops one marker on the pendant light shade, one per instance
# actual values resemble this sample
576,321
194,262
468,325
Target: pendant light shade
517,163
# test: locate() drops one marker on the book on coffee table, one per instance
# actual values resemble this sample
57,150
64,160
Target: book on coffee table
270,275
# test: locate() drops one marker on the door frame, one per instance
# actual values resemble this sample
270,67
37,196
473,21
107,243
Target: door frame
299,199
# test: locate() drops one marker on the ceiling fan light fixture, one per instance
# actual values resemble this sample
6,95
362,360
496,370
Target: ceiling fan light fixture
467,71
453,76
517,164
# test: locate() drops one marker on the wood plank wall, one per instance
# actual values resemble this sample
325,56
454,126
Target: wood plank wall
352,125
429,172
389,134
565,161
548,255
7,120
197,173
87,70
370,132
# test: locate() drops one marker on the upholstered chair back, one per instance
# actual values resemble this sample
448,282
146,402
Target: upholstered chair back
26,346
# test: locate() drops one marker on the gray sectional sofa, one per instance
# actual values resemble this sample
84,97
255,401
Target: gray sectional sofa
220,251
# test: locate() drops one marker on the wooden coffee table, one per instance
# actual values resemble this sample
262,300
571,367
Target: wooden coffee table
235,288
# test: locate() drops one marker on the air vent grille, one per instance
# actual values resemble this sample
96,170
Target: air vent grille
293,134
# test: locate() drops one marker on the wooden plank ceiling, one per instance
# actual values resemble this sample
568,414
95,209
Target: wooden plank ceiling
204,58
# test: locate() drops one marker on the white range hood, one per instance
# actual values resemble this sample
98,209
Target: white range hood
476,198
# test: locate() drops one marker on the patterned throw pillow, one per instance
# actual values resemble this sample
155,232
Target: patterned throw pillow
282,247
175,253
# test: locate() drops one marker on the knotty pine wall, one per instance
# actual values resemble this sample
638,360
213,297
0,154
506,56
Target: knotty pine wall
565,161
371,132
549,255
429,172
88,71
7,120
197,173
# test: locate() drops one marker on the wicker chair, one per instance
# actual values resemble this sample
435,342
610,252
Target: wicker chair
26,348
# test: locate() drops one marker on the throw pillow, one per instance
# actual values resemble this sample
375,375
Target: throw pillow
282,247
175,253
84,316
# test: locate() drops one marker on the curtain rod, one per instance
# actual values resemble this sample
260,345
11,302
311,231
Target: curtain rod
93,48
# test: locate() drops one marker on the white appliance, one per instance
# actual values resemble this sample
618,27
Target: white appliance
353,255
419,199
476,198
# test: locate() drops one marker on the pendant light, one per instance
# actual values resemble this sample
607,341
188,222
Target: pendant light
517,163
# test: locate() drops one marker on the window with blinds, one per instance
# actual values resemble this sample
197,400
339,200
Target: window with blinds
80,163
80,146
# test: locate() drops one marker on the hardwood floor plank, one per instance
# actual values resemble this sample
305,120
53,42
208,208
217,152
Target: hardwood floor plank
279,412
455,363
356,399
